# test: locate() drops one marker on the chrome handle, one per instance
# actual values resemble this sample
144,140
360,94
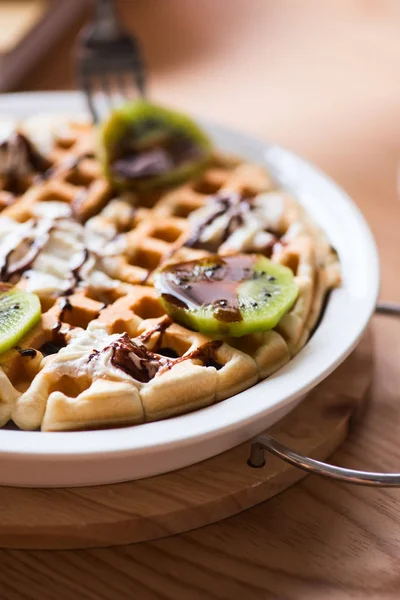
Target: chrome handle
265,442
390,309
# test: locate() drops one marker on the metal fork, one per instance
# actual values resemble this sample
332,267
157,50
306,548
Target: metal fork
108,60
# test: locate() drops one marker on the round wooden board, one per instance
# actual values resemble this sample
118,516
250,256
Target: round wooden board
192,497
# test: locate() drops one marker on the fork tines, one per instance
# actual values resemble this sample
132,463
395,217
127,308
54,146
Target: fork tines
110,66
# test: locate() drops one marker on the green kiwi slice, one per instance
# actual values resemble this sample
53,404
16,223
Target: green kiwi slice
143,146
19,312
227,295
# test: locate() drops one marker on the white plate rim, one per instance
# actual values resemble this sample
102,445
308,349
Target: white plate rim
294,380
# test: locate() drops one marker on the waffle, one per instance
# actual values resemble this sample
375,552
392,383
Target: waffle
34,147
105,353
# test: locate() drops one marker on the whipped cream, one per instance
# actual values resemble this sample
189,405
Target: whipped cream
44,130
24,145
74,358
19,158
52,209
53,256
230,222
97,354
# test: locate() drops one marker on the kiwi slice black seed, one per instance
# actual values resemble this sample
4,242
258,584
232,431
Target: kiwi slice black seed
19,312
230,295
144,147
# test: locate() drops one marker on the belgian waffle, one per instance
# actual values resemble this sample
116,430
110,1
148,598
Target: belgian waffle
105,353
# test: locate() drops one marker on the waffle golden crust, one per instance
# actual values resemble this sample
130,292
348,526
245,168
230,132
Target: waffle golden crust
105,354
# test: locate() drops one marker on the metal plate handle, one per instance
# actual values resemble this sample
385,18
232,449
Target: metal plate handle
265,442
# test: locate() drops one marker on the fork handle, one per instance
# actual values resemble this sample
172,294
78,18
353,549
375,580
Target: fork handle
105,7
105,25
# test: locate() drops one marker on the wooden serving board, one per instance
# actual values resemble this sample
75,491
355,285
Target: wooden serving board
192,497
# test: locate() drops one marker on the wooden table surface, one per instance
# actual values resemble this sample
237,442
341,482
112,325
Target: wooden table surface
323,79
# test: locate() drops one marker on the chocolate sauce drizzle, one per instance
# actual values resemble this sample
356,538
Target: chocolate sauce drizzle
205,354
58,336
36,160
221,206
148,163
142,364
134,359
22,265
70,164
76,270
137,161
34,246
31,352
21,156
75,273
235,206
66,306
211,281
160,328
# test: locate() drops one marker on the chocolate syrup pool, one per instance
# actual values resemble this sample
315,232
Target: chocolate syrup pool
212,281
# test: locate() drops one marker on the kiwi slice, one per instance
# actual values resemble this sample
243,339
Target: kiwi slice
230,295
143,146
19,312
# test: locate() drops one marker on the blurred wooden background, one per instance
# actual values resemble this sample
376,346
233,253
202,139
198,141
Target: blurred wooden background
323,79
319,77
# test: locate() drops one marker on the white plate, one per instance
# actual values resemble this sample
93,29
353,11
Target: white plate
105,456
